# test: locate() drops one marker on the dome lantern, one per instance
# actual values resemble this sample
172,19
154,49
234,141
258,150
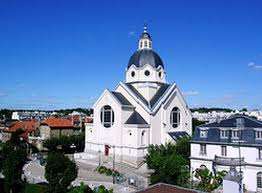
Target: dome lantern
145,41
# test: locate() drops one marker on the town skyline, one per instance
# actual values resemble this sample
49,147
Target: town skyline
57,56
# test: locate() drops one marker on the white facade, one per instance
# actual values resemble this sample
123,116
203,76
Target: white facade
217,152
138,112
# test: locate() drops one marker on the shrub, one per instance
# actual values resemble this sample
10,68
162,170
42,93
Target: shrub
109,172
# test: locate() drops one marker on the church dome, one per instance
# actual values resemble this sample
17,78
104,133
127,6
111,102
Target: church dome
145,56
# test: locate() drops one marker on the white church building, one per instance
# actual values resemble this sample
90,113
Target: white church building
142,110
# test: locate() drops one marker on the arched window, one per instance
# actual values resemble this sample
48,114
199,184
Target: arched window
259,180
202,167
143,138
175,117
107,116
145,44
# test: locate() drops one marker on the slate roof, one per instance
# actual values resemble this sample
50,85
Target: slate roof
178,134
136,118
158,94
121,98
231,122
163,88
248,132
138,95
145,56
145,35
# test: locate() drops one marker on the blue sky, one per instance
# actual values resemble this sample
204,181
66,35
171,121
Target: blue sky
62,54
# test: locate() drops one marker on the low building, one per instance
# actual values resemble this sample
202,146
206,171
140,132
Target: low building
234,142
56,127
26,126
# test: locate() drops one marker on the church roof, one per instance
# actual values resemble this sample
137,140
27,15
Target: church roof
145,56
135,118
178,134
158,94
156,97
121,98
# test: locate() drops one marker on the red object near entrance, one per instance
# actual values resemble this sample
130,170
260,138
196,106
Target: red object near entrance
107,150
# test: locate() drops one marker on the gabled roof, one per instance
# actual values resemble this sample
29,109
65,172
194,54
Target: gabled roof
178,135
138,95
160,92
26,126
136,118
57,122
232,122
121,98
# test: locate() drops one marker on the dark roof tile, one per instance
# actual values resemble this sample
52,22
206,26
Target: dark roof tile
135,118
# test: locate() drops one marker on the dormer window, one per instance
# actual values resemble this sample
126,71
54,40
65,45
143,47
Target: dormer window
258,134
224,134
236,134
203,133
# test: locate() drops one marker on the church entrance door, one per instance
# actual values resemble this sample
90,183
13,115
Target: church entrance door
107,150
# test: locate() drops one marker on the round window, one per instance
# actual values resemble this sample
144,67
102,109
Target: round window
147,73
133,73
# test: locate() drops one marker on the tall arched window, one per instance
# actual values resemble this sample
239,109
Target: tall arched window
259,180
143,138
107,116
175,117
202,167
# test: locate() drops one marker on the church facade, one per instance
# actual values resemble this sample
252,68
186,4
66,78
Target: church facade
142,110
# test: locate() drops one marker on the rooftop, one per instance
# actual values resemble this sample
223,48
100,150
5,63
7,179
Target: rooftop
166,188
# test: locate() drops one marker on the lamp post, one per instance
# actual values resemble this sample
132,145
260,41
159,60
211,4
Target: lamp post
73,146
99,159
113,164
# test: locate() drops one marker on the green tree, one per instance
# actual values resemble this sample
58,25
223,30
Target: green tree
65,143
207,180
169,163
183,147
81,189
60,171
13,158
102,189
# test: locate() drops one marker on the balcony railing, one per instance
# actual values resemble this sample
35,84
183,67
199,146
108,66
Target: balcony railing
227,161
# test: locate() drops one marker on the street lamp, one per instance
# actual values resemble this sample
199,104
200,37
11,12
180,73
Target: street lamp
99,159
114,165
73,146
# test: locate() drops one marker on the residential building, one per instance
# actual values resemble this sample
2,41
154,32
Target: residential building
26,126
233,142
56,127
143,110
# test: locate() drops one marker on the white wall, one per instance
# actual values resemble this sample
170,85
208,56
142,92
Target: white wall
249,153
